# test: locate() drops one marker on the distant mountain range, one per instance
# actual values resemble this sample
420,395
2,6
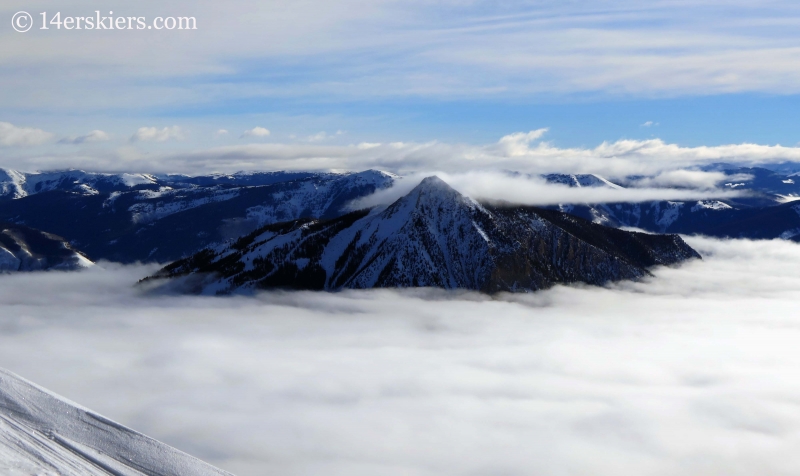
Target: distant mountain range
433,236
163,218
769,209
129,218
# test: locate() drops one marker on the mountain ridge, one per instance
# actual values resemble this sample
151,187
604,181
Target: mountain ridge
26,249
161,223
165,217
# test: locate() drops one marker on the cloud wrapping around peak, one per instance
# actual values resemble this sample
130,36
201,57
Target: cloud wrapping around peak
153,134
13,136
256,132
534,190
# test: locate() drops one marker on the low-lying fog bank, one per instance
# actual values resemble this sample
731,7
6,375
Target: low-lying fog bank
692,372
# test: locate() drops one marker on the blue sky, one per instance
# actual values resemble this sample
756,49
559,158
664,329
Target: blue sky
343,72
688,120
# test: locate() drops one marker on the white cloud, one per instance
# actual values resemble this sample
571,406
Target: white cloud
575,380
220,133
256,132
93,136
690,179
509,49
322,135
518,152
518,143
649,124
533,190
319,136
11,135
523,152
153,134
368,145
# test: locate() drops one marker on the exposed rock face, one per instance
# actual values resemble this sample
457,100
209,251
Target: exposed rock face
434,236
26,249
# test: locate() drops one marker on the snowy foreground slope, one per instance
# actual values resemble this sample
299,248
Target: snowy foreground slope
431,237
44,434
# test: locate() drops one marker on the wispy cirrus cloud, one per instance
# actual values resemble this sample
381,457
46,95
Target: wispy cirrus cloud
477,49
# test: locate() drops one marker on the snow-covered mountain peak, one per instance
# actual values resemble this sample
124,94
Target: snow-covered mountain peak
432,236
375,175
371,177
434,188
432,198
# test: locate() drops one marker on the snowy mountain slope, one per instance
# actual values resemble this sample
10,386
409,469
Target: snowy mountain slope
26,249
43,433
433,236
165,223
152,205
15,184
580,180
238,179
760,214
657,216
706,217
11,184
781,221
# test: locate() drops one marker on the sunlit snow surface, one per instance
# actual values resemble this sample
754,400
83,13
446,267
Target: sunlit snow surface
694,372
43,433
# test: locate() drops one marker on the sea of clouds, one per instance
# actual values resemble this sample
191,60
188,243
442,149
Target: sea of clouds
693,371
